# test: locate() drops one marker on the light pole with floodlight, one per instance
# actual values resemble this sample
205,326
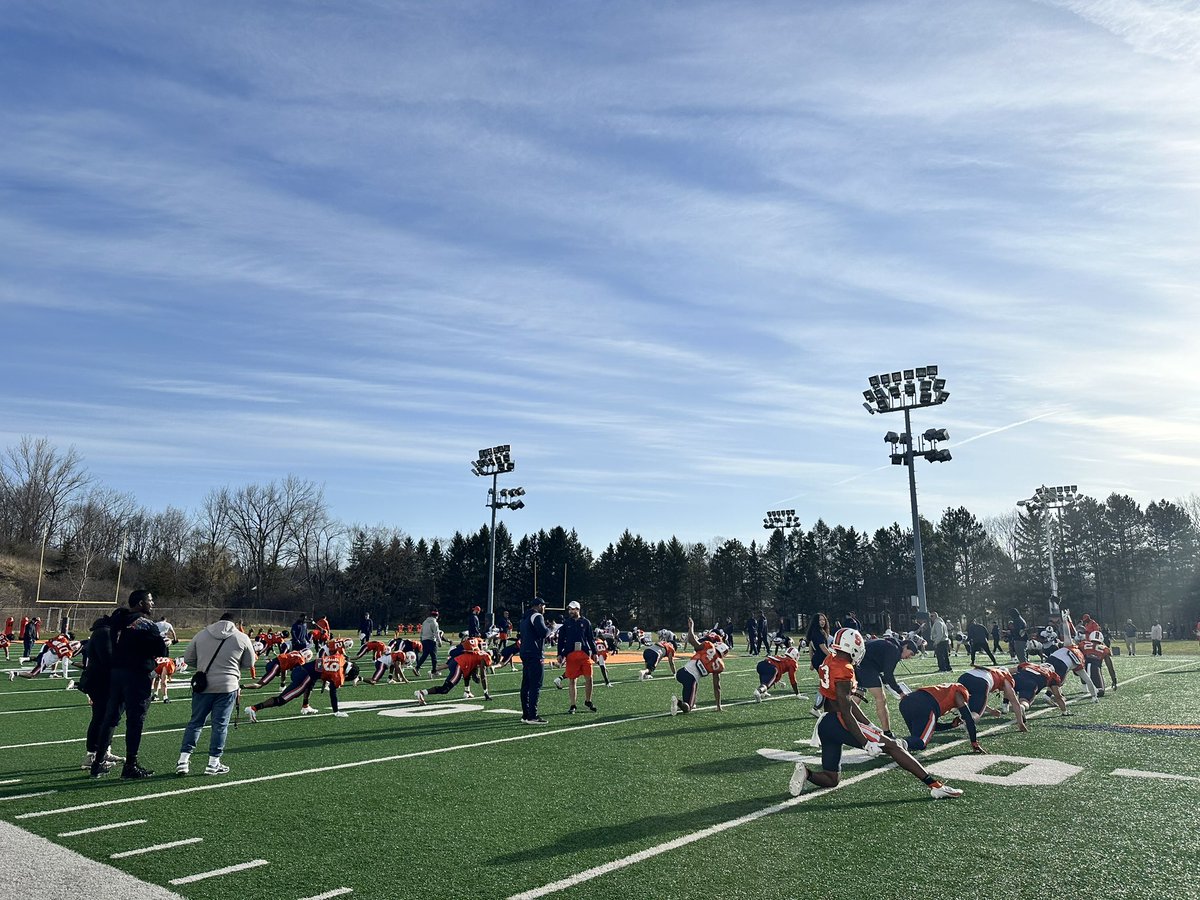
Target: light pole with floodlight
496,461
1063,496
905,391
783,521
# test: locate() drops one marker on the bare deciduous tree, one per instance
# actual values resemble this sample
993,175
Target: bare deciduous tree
37,484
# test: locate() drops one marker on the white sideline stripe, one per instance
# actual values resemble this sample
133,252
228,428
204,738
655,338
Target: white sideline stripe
18,712
188,879
1138,773
650,852
336,892
102,828
10,781
28,796
154,848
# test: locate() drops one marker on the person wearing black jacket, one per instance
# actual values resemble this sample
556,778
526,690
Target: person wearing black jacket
1016,634
474,626
532,630
136,644
95,682
977,641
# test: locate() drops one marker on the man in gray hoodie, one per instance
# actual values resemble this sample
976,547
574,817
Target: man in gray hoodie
221,652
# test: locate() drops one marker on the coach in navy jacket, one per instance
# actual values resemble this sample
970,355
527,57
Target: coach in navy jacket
533,631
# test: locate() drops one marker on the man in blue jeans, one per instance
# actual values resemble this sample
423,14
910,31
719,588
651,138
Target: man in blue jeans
533,631
220,651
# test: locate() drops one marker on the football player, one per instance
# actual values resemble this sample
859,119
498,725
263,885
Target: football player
1095,652
772,669
56,652
654,653
393,662
471,659
284,662
844,724
1030,679
604,647
709,659
378,648
6,641
980,682
164,668
1069,659
330,670
922,708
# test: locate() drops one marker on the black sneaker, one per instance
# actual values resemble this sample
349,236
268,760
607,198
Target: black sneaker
571,711
590,706
99,769
135,771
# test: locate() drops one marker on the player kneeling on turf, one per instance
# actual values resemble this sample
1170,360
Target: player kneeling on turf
771,671
470,660
330,670
844,724
709,659
923,707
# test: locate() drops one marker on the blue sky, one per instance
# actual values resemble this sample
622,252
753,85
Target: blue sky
657,248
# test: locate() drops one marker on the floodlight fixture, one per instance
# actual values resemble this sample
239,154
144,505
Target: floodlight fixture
896,376
921,371
908,374
867,407
868,395
897,459
885,379
934,435
1045,499
873,381
931,371
910,388
493,462
891,438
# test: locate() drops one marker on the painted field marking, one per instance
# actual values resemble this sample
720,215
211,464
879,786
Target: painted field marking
336,892
28,796
650,852
108,827
154,848
240,867
1138,773
10,781
21,712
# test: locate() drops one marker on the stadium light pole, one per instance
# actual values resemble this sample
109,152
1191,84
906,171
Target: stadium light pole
904,391
783,521
494,462
1062,496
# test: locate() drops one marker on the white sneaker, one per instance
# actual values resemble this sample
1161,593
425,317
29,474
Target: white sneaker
758,697
70,686
674,707
420,695
609,684
944,792
12,674
341,715
799,780
467,695
251,714
112,758
215,768
558,682
181,767
308,710
55,675
87,760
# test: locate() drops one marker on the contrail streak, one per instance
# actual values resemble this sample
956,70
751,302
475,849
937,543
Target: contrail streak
976,437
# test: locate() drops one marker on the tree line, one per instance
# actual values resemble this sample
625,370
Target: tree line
277,545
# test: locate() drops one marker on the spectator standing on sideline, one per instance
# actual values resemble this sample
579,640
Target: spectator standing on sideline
939,636
29,636
752,636
137,643
221,651
995,637
1130,637
299,634
763,642
365,627
95,682
817,638
1016,635
431,636
1156,636
474,626
167,630
532,631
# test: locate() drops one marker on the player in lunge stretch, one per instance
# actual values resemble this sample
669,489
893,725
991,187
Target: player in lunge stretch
1069,659
980,682
329,670
654,653
922,708
470,660
284,662
378,648
844,724
1031,679
55,652
164,668
1095,652
709,659
771,671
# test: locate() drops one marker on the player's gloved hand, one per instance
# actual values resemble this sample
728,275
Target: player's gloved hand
976,747
874,749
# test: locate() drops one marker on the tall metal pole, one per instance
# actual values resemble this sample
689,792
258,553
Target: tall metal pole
922,608
491,618
1053,576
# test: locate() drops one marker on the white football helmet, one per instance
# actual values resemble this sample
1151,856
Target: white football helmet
791,653
850,641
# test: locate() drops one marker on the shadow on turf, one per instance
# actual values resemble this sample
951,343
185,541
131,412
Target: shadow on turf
735,765
701,728
656,827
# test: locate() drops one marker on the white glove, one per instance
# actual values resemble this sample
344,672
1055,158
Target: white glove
874,749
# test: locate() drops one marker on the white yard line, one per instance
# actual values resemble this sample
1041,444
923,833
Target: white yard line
27,796
650,852
1138,773
336,892
154,848
240,867
109,827
10,781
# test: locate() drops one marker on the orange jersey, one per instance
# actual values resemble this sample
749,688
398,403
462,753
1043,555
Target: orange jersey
333,670
471,645
469,661
291,659
708,659
833,670
164,665
784,665
948,696
668,649
1093,651
1043,669
996,677
61,646
376,647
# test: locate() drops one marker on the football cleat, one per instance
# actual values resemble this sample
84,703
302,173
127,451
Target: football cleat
799,780
558,682
251,714
420,695
571,711
467,695
673,709
341,715
70,686
181,767
758,697
939,791
308,710
88,759
12,674
590,705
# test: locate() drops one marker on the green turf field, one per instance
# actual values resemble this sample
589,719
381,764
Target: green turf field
461,799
